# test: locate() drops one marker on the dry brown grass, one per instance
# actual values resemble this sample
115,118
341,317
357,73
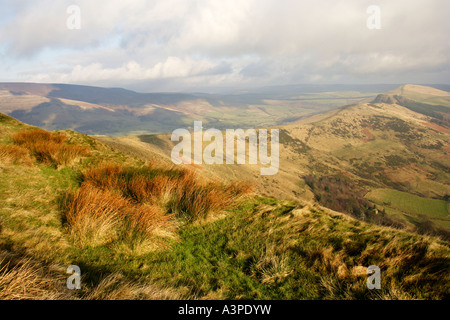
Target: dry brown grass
47,147
397,258
179,191
196,198
273,267
98,217
23,280
339,249
37,135
15,154
116,287
132,206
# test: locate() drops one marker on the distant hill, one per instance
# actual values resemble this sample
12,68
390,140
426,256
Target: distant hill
117,111
91,109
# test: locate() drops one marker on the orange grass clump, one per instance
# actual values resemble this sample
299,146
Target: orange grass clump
15,154
47,147
179,191
98,216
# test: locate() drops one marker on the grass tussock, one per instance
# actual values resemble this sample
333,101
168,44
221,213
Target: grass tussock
100,217
23,280
15,155
180,192
116,287
49,148
135,207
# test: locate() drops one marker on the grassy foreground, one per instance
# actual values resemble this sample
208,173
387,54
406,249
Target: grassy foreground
140,231
269,249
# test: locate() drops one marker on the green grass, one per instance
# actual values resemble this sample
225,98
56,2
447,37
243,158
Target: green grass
29,213
410,203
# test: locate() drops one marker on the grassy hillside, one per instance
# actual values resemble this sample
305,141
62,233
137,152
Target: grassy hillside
423,94
148,231
373,146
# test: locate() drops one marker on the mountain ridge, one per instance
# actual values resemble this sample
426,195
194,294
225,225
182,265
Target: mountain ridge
117,111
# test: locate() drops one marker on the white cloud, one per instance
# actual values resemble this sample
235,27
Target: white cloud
173,67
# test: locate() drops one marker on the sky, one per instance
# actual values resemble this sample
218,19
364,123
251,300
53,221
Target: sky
195,45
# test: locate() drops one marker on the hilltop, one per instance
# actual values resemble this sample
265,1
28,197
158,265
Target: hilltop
422,94
146,243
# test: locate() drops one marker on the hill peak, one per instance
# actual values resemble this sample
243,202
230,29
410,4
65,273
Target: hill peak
418,89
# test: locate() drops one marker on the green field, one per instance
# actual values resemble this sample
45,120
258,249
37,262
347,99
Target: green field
410,204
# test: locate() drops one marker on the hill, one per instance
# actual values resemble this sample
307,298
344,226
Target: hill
340,157
141,230
422,94
117,111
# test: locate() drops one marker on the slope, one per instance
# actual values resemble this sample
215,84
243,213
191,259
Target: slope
262,248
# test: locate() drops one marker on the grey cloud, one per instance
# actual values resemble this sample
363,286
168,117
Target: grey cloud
256,69
226,42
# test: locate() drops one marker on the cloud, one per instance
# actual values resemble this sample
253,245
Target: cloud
172,67
233,42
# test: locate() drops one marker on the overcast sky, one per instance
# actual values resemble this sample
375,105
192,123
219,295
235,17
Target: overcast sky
176,45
